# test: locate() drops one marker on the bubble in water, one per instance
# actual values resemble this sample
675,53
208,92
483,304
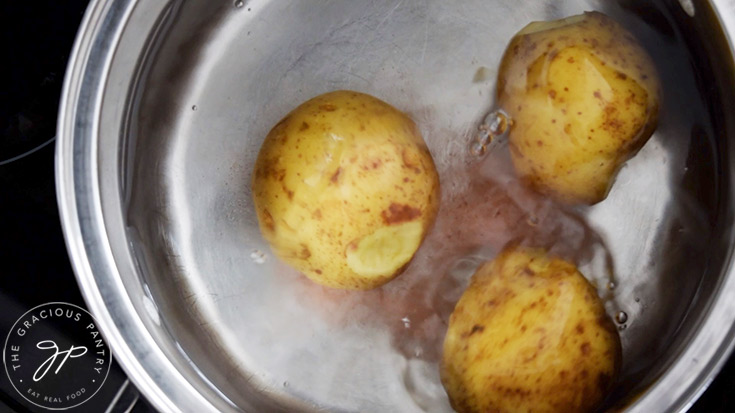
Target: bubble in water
484,137
406,322
611,285
622,327
285,384
194,107
532,220
496,122
239,3
477,148
418,352
257,256
493,126
637,300
621,317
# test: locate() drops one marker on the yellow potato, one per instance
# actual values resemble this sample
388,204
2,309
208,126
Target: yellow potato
583,96
345,190
529,334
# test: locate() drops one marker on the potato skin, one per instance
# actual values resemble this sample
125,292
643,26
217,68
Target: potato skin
335,170
584,96
529,334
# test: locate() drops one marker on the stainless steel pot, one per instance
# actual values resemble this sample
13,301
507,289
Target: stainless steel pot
164,108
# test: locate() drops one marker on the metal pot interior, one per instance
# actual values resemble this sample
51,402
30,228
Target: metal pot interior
194,87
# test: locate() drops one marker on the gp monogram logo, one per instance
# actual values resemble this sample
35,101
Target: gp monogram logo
55,356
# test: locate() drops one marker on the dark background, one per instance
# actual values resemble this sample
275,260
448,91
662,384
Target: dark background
34,266
37,38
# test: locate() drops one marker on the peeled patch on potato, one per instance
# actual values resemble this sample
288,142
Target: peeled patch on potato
345,190
529,334
584,96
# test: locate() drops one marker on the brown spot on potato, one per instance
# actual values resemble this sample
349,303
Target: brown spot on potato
585,348
318,271
268,221
335,177
613,124
317,214
477,328
397,213
268,168
282,123
304,254
352,246
410,160
579,328
261,171
552,93
570,60
328,107
304,126
597,94
279,174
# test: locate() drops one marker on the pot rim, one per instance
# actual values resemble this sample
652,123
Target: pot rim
77,190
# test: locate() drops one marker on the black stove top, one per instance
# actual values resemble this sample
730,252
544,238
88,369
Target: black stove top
35,266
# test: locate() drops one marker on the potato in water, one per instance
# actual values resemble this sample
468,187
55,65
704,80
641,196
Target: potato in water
529,334
345,190
584,97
